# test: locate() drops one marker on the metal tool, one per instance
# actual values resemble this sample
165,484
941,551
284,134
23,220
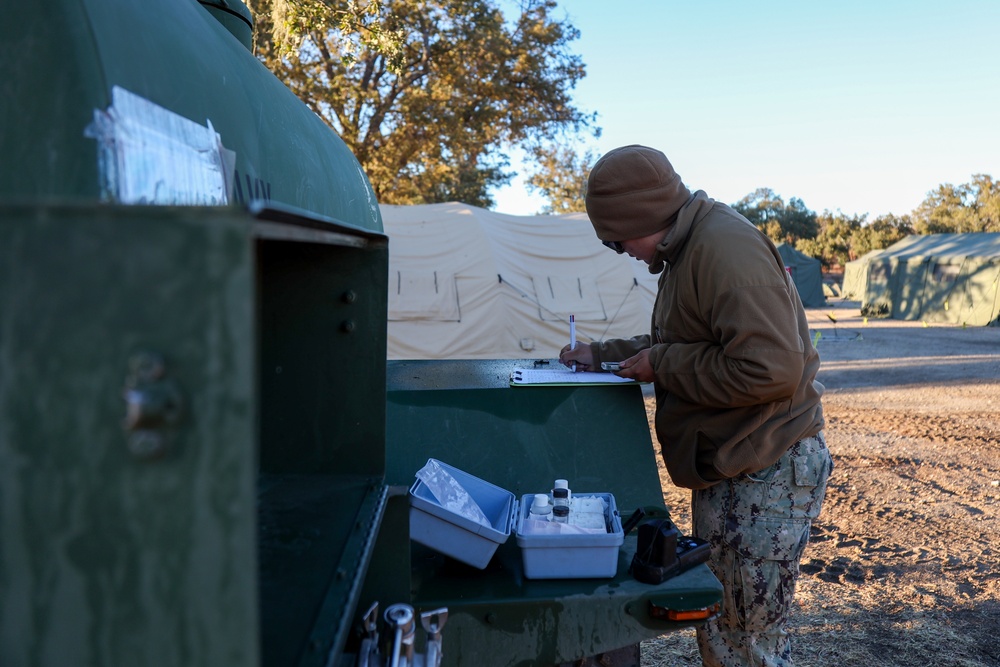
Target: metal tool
368,655
400,631
399,622
432,623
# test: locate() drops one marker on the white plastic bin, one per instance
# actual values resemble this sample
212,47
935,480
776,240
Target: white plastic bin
571,556
454,535
543,556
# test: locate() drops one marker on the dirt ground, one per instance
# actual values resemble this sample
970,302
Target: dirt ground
903,564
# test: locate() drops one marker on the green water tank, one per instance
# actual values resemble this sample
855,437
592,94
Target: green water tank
94,92
188,477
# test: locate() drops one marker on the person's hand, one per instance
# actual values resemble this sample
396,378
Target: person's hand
582,355
638,368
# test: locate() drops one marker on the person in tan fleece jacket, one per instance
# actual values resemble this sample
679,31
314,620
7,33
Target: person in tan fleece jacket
739,416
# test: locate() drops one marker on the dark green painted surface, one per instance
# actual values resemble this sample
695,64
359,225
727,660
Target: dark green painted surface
314,541
497,617
521,439
207,555
61,60
247,543
105,559
322,338
52,83
236,18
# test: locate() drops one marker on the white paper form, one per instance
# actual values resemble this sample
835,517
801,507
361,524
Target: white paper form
562,376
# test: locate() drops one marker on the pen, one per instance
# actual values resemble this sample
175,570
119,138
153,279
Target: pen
572,336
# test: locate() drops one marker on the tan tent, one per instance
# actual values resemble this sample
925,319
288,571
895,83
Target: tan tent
467,283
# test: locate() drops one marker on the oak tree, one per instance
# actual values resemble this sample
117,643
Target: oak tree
970,207
560,175
832,243
783,223
879,234
428,94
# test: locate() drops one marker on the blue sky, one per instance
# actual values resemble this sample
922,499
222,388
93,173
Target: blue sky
862,107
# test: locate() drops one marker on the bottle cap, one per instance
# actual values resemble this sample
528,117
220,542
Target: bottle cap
560,492
541,501
561,484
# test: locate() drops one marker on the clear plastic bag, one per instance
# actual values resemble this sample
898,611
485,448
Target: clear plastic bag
450,493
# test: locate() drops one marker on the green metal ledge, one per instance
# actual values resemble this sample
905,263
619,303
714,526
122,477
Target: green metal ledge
521,439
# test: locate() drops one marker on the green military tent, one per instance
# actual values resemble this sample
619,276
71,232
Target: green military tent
936,278
856,276
807,275
856,272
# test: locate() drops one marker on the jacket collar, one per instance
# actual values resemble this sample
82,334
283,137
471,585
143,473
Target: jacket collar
669,249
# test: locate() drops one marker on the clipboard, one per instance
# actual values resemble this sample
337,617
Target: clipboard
528,377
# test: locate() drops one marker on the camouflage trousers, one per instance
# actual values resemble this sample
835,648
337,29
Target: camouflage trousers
758,526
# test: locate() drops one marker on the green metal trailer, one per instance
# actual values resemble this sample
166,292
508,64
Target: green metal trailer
204,454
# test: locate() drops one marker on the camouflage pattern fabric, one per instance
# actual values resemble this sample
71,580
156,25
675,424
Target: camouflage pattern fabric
758,526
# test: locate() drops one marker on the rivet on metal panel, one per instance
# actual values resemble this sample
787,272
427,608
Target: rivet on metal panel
153,404
350,296
347,326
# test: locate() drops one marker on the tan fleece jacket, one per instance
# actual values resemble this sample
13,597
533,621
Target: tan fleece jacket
735,366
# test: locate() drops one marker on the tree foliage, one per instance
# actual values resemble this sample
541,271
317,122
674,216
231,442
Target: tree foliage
970,207
842,238
879,234
428,93
561,177
832,244
282,25
783,223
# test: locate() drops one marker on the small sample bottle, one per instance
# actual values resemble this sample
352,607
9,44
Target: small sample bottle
560,505
562,484
540,508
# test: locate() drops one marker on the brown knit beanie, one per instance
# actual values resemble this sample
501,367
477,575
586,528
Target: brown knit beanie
632,192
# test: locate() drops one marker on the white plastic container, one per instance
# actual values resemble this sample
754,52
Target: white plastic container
543,556
571,556
454,535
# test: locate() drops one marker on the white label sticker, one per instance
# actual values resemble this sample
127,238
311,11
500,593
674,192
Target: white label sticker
151,155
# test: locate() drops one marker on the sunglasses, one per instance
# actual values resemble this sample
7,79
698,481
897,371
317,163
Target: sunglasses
615,245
